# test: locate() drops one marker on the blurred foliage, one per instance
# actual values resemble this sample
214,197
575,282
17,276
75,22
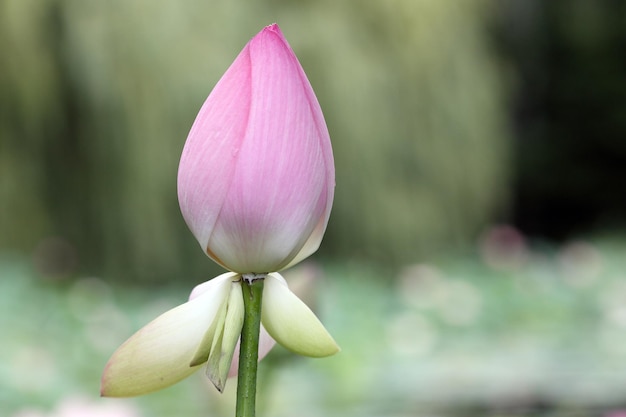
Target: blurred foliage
512,332
97,98
569,114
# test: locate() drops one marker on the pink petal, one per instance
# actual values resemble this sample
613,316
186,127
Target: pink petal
210,153
256,178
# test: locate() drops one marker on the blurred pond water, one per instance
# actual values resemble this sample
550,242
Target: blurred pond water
508,334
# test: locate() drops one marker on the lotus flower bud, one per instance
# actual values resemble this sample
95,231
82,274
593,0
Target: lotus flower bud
256,176
255,185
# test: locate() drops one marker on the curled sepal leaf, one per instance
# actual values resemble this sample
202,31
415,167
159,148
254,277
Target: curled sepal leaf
158,355
224,342
291,323
213,332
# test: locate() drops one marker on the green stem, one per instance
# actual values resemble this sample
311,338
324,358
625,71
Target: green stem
249,348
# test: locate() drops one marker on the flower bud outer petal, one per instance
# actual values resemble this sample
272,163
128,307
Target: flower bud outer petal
158,355
291,323
209,157
280,174
312,244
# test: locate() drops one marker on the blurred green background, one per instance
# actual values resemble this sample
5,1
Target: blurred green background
474,261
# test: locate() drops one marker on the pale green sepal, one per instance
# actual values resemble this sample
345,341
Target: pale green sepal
221,355
291,323
208,341
158,355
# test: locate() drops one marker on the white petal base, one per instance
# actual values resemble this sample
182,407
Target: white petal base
159,354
